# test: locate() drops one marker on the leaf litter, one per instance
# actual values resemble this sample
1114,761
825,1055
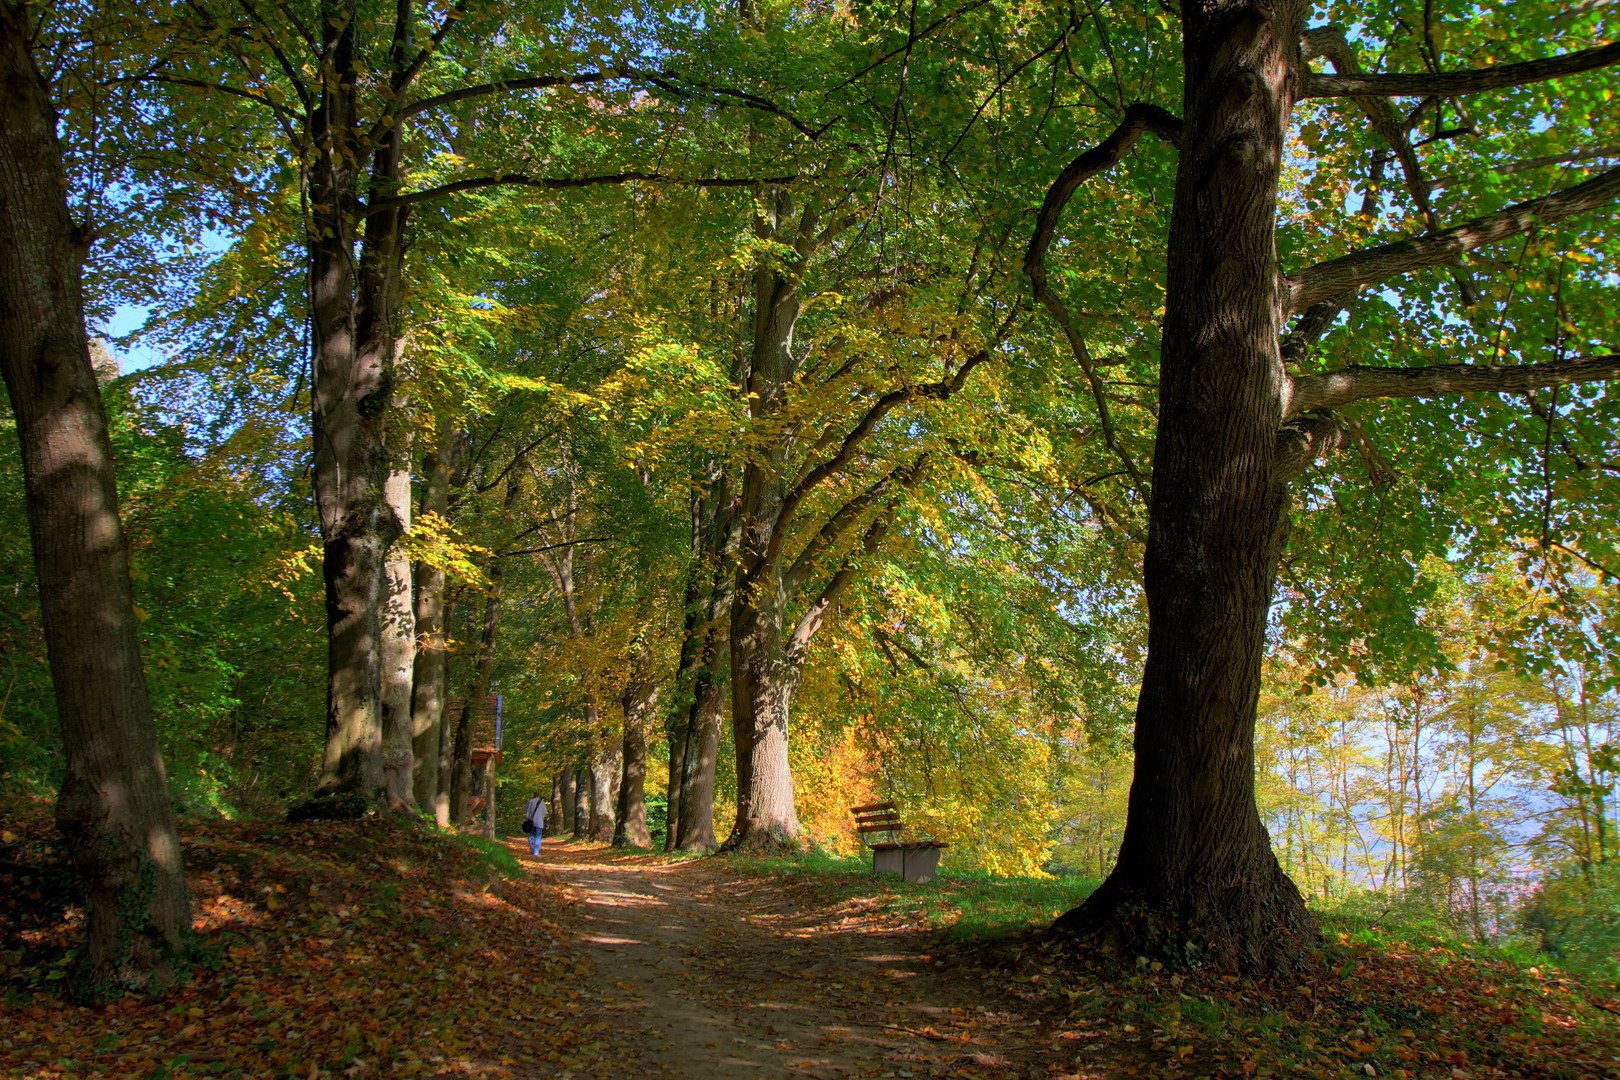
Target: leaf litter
375,948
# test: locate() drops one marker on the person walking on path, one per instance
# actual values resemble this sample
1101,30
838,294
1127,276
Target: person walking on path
534,821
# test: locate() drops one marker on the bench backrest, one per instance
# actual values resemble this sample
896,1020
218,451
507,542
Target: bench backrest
877,817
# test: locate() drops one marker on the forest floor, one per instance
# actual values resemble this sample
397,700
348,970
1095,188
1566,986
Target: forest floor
372,948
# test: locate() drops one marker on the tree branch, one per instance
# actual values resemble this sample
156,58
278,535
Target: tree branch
1452,83
1310,393
1574,157
908,477
938,391
476,183
1139,117
523,82
1371,265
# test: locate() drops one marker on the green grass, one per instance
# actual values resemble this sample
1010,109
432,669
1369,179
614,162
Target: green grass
502,863
967,905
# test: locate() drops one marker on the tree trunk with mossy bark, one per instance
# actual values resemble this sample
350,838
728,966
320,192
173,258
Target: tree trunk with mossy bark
113,808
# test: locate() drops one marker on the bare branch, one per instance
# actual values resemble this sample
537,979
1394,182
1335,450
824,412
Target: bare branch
1371,265
1330,43
197,84
1453,83
1333,389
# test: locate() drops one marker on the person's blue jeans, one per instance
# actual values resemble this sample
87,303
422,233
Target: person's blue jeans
534,842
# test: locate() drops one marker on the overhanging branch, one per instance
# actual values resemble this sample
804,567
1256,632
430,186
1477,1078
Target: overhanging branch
1311,393
1139,117
1453,83
1372,265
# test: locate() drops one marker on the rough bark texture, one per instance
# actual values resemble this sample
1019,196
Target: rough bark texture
1196,878
113,808
351,322
398,655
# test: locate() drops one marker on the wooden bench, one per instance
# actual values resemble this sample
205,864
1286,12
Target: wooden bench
914,860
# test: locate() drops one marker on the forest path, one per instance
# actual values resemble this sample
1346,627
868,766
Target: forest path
703,970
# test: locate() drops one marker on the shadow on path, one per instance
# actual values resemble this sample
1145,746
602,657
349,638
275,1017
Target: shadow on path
699,969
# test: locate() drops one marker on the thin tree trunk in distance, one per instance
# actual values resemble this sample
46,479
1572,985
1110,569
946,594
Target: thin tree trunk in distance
489,798
702,752
604,790
398,654
113,808
431,663
482,675
472,712
677,758
554,813
565,819
582,802
447,731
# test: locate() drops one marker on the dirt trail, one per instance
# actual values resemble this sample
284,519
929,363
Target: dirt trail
702,971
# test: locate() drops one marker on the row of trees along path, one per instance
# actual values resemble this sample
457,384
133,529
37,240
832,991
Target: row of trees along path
1235,429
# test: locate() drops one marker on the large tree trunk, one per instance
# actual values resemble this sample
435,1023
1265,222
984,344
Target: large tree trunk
711,580
763,679
354,339
399,655
761,685
630,824
430,666
1195,876
113,808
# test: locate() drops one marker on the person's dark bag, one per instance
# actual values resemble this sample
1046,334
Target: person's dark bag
528,826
